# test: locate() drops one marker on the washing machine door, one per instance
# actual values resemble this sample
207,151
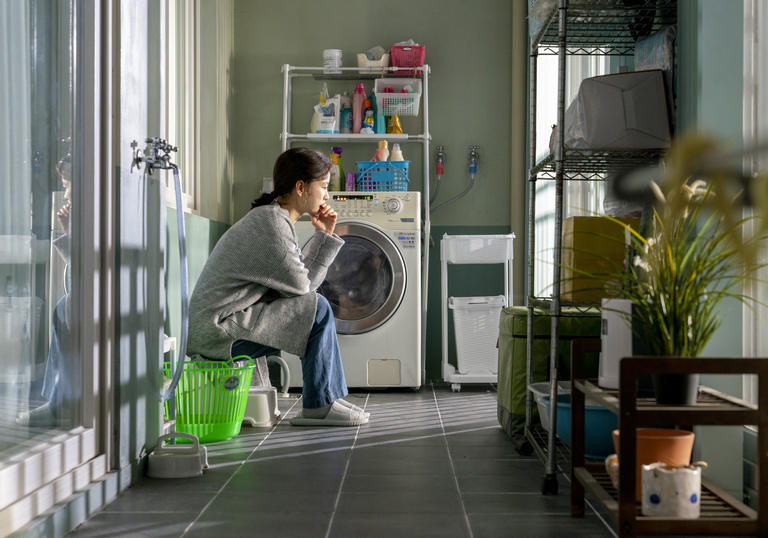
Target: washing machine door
366,282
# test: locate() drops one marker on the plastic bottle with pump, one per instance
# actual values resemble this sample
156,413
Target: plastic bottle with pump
357,107
396,154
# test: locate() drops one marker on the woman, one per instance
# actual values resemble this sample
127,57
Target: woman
257,294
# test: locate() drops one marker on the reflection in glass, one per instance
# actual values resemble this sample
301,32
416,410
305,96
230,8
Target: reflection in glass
40,374
359,281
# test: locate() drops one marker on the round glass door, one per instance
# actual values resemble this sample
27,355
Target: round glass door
366,282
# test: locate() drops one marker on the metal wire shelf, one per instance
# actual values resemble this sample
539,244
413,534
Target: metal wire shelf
594,165
600,28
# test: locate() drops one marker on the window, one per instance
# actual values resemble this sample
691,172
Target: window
182,120
579,197
755,121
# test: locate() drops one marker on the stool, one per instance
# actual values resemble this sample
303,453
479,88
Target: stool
261,410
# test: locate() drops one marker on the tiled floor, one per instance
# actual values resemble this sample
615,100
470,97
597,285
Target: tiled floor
432,463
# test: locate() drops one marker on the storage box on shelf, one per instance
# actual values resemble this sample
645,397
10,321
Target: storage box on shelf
382,176
721,514
408,56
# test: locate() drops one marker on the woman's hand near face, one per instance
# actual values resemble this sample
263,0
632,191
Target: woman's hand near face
325,220
63,216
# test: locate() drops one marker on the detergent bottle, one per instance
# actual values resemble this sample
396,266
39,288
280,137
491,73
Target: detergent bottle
396,154
338,151
357,107
369,118
346,114
335,180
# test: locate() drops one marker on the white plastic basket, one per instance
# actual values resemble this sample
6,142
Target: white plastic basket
402,104
477,248
368,66
476,326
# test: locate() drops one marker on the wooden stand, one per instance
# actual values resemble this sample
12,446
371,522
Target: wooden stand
721,514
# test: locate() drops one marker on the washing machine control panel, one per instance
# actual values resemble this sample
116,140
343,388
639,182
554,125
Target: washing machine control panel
375,205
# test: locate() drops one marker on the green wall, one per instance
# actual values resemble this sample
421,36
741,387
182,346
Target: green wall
710,41
468,49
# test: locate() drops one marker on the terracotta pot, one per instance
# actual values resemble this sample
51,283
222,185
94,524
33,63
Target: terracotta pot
673,447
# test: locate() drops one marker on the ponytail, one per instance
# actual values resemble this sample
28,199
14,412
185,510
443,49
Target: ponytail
265,199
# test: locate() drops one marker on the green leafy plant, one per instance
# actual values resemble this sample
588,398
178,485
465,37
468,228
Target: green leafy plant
698,251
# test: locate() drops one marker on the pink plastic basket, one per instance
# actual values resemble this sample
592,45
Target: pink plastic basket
407,56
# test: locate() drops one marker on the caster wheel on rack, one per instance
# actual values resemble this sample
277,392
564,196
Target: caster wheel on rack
456,387
549,486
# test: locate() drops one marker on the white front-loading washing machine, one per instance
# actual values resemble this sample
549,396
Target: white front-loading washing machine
374,288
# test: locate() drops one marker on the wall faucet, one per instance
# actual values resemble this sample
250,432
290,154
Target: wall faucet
155,156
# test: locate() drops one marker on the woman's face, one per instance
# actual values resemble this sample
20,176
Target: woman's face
317,194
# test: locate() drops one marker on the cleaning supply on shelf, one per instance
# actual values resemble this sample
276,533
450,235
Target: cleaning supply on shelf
350,185
357,107
382,152
396,154
325,118
346,114
331,61
338,151
368,118
393,125
379,124
335,179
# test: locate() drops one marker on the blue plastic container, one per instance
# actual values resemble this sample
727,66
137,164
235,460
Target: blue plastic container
599,422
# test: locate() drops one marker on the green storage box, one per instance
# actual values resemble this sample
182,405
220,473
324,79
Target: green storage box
512,382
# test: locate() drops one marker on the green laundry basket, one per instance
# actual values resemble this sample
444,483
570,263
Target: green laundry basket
210,399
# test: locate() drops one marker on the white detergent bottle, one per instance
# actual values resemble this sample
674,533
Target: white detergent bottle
396,154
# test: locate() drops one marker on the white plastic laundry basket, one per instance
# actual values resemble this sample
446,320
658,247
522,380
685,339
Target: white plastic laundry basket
476,326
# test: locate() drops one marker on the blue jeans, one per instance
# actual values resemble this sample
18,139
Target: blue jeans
321,368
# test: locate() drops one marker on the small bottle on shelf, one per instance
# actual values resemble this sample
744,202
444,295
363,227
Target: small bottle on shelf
396,154
357,107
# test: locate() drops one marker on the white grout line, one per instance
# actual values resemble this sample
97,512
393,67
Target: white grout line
344,476
453,468
243,462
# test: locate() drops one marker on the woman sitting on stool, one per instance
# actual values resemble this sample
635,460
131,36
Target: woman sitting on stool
256,294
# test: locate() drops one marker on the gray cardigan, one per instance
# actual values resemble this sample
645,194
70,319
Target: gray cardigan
258,285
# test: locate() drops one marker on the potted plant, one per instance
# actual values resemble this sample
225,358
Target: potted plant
696,250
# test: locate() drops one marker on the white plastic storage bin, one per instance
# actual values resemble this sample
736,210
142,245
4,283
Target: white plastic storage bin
476,326
402,104
477,248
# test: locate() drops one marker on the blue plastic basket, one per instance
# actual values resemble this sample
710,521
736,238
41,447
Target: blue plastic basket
382,175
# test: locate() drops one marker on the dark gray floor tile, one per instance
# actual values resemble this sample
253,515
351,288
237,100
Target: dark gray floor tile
516,503
399,453
183,500
398,502
549,526
156,524
495,467
527,479
301,502
373,483
479,453
245,483
285,524
377,525
480,436
315,462
365,464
